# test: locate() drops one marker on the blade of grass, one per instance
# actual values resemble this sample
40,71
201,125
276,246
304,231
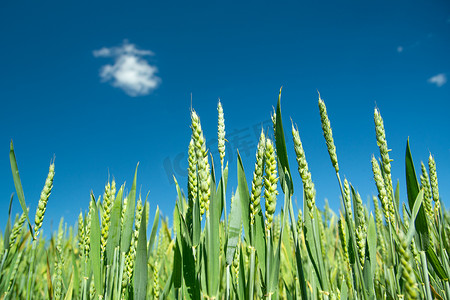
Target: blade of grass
49,281
8,226
234,229
177,267
412,188
275,271
280,144
95,247
114,227
127,229
75,275
251,274
141,271
213,244
18,185
242,283
190,277
153,232
244,197
69,291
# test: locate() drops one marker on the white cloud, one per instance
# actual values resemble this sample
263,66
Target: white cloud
103,52
439,79
130,71
399,49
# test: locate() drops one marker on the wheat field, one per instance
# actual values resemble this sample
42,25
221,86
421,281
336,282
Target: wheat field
119,249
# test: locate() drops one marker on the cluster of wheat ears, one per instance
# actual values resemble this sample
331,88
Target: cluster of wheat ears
400,250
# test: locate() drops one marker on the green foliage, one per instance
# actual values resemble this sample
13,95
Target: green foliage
247,254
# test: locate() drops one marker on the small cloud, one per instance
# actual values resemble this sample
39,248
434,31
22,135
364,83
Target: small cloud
439,79
130,71
103,52
400,49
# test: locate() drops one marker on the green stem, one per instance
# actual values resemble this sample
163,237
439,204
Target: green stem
298,255
224,203
111,271
352,237
268,261
423,259
391,244
107,282
251,280
227,293
394,258
84,288
444,257
341,188
323,276
31,269
119,282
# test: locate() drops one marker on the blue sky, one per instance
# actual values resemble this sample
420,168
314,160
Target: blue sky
103,85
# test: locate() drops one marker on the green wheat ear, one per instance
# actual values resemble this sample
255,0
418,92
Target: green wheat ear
155,281
257,181
408,274
40,211
427,195
347,199
17,228
131,254
92,290
344,244
124,209
235,264
202,163
192,172
361,229
328,134
14,270
81,233
108,199
147,213
382,194
380,227
270,183
59,261
303,170
299,222
138,219
384,153
434,184
221,133
87,234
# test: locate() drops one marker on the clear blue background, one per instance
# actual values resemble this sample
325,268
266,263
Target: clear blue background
55,105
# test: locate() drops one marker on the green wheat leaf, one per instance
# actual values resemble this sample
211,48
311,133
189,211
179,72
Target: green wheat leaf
141,270
127,229
114,227
95,247
18,185
234,229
